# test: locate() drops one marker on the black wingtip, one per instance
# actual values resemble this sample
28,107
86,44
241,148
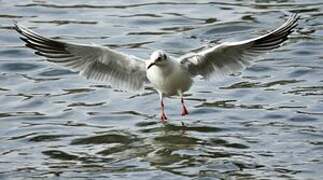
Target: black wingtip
17,28
294,17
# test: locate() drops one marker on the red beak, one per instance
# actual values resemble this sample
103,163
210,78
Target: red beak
151,65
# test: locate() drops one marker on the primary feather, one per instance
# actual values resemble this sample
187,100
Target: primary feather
92,61
230,57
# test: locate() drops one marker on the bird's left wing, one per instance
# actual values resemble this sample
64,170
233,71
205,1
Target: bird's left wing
92,61
230,57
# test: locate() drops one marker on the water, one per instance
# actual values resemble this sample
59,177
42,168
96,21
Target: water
265,123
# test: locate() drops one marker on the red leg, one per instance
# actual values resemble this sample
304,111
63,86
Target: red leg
184,109
163,117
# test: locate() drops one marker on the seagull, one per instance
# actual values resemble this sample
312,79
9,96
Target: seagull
169,75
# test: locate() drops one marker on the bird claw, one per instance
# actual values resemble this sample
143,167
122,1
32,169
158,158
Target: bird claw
163,118
184,111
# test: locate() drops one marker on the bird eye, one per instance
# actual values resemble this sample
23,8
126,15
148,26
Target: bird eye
159,59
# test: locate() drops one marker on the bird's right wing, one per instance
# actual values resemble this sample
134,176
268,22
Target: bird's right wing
230,57
92,61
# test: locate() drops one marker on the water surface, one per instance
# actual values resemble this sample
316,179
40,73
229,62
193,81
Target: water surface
264,123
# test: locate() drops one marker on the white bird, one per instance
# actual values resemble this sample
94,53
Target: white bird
169,75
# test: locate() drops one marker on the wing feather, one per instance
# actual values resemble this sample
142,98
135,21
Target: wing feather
230,57
92,61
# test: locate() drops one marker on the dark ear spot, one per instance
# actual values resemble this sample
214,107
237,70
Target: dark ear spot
164,56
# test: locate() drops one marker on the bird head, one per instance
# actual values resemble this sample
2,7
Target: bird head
157,58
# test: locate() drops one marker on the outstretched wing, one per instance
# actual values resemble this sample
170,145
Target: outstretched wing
230,57
92,61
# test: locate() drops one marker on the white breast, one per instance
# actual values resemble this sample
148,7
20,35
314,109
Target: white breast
170,79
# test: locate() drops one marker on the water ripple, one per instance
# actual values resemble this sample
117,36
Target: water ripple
262,123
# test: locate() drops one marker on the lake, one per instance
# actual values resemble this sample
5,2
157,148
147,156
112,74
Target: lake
263,123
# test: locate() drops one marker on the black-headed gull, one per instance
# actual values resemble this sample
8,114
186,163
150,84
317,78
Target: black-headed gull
168,75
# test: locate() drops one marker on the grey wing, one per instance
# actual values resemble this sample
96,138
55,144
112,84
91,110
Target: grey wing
231,57
92,61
